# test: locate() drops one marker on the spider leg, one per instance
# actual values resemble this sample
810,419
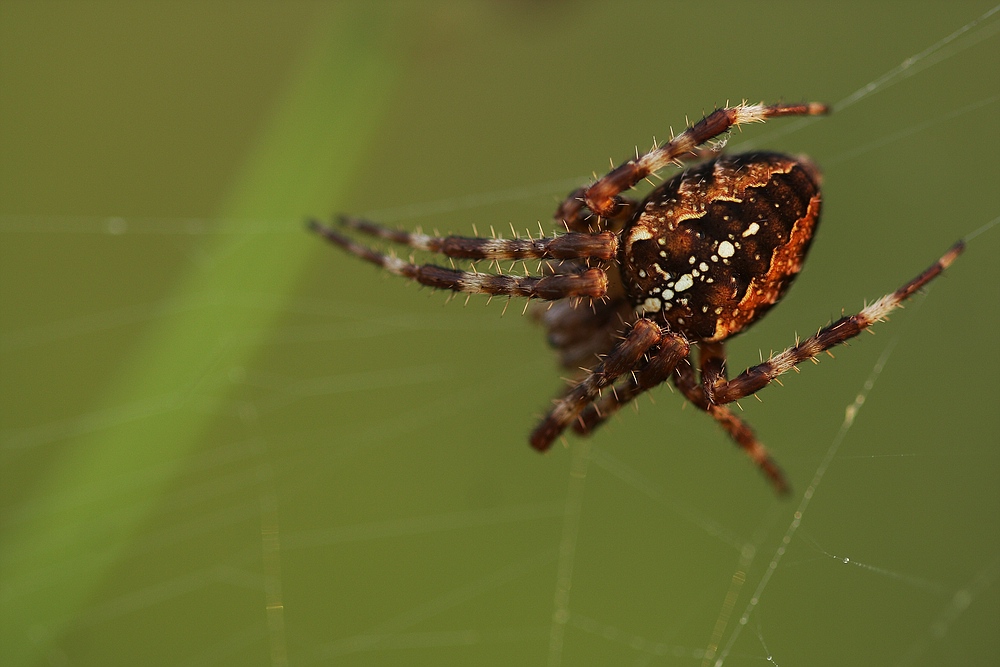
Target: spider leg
574,245
737,429
712,357
602,198
591,283
576,217
672,350
623,358
755,378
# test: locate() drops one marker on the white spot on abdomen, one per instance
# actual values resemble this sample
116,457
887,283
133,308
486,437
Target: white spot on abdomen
639,233
651,305
684,282
726,249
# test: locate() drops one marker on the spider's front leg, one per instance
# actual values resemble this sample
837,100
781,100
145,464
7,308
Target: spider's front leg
573,245
603,197
759,376
591,283
625,357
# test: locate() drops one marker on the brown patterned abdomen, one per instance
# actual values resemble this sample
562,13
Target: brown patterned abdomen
715,247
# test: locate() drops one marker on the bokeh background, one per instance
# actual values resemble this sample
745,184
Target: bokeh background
224,442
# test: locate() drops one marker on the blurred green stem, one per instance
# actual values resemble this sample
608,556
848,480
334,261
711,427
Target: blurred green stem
177,380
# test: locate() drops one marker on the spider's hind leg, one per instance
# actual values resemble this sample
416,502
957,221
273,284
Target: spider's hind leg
738,430
756,378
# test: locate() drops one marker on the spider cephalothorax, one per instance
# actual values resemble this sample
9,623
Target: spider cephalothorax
633,286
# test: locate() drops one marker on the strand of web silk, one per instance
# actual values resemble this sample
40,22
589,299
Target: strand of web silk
567,551
904,69
959,602
270,542
118,225
850,415
901,70
831,453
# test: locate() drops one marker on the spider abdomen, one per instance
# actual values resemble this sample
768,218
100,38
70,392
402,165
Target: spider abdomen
715,247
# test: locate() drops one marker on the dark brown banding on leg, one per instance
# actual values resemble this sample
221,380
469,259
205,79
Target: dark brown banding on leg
656,371
602,196
623,358
591,283
712,359
737,429
573,245
759,376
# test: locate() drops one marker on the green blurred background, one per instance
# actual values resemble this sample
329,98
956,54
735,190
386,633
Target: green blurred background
224,442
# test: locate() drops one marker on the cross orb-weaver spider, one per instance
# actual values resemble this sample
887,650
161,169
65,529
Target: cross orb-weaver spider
634,286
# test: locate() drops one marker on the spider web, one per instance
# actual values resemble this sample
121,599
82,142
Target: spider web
329,513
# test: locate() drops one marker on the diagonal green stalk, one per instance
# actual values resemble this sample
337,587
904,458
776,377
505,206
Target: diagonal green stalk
55,559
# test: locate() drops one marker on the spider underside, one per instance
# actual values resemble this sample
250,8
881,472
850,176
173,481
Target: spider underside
635,287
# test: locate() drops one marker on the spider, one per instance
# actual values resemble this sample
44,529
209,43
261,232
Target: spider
635,287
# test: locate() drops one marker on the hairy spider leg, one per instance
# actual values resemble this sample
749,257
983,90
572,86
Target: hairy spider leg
657,370
573,245
577,212
757,377
674,361
712,358
738,430
601,197
574,215
591,283
714,389
643,335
